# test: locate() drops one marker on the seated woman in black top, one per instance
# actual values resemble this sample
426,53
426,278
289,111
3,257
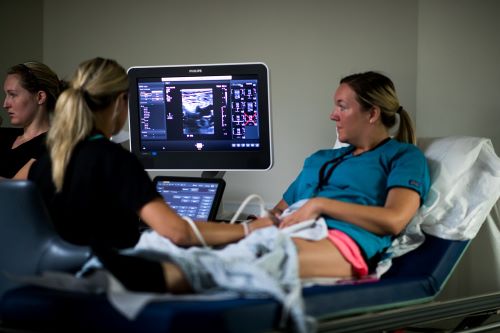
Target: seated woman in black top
31,90
95,190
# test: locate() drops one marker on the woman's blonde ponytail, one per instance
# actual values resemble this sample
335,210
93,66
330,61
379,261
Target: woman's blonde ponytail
96,85
73,121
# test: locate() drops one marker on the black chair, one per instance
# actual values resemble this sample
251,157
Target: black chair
28,242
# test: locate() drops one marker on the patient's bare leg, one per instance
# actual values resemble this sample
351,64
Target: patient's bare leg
176,280
321,259
316,259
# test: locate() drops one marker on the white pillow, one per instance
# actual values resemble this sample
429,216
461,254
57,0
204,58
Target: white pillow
465,174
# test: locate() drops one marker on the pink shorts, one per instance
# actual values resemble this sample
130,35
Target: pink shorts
350,250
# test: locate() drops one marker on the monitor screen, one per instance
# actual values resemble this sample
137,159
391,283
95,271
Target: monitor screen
201,117
197,198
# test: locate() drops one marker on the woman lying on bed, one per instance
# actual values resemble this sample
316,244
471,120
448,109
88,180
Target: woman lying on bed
367,192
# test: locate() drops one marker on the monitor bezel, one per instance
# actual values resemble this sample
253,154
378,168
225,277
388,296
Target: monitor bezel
204,160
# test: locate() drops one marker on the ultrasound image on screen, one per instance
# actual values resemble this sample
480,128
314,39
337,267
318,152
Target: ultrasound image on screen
198,111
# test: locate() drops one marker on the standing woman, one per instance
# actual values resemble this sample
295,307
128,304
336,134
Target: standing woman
31,90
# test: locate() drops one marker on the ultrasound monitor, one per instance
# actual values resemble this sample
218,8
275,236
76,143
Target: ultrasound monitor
201,117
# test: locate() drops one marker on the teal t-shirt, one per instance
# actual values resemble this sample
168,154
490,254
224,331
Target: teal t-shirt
363,179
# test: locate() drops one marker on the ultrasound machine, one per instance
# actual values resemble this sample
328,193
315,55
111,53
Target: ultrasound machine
208,118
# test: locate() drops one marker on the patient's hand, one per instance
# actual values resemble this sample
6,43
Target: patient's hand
261,222
308,211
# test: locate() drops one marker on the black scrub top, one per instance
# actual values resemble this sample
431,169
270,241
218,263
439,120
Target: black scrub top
11,160
104,188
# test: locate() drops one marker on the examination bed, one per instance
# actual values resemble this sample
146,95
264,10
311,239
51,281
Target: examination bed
414,278
403,296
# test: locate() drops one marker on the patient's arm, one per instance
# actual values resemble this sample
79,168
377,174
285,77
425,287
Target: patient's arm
400,206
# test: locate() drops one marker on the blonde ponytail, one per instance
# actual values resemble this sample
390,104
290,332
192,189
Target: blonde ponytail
95,86
406,132
73,121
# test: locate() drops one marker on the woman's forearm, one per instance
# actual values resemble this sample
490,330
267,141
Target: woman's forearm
400,206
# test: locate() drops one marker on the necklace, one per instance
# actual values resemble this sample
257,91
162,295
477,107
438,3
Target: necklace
325,173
